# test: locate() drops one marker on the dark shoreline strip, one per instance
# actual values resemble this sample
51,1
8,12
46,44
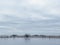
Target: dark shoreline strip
33,37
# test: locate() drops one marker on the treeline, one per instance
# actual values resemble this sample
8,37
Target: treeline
29,36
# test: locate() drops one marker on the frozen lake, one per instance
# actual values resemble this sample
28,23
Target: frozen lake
30,41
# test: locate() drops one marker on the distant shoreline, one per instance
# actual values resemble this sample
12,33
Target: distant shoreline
29,36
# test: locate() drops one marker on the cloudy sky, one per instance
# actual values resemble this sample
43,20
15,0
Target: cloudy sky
30,16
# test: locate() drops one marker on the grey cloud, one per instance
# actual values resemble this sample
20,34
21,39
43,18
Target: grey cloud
23,22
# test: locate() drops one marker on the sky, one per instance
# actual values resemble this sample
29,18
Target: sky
29,16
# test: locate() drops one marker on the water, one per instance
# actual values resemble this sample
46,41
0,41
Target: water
31,41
